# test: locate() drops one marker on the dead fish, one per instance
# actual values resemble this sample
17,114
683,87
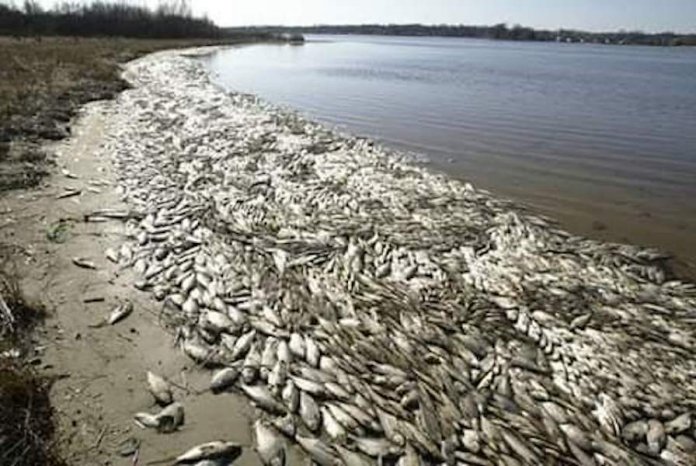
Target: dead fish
277,377
210,450
286,425
320,452
635,431
69,193
291,396
199,351
170,418
251,364
308,386
334,430
269,445
160,389
655,436
679,424
284,352
223,379
84,263
521,449
268,358
120,312
297,345
312,352
410,457
581,321
351,458
337,391
112,255
263,399
69,174
378,447
243,344
309,411
146,420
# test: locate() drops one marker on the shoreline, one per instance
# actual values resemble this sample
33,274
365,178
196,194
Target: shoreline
260,226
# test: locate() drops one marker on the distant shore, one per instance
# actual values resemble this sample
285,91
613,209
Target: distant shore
496,32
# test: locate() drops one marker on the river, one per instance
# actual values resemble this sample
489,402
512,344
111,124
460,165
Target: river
600,138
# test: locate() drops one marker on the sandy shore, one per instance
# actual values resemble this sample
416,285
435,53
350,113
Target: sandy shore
382,265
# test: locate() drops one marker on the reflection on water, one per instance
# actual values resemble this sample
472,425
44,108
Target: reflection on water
603,138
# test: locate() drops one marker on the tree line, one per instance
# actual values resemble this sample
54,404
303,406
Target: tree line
496,32
171,19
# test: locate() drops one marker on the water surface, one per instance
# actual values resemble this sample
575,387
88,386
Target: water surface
601,138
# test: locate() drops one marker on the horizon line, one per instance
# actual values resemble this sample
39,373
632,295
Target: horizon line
432,25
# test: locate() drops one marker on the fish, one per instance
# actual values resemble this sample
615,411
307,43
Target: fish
251,364
297,345
223,379
277,377
351,458
309,411
210,451
320,452
170,418
332,427
655,436
161,389
84,263
242,345
269,444
291,397
263,399
120,312
147,420
312,352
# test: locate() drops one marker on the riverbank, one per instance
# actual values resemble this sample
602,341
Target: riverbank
43,83
367,307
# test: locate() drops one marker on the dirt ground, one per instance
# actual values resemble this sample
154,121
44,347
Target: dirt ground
101,372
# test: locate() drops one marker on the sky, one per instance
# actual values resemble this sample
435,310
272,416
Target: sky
593,15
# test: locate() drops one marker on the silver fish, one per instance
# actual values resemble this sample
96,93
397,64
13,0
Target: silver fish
320,452
269,445
291,396
223,379
309,411
160,389
263,399
210,450
120,312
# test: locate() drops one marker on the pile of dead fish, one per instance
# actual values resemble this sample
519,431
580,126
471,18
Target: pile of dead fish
378,313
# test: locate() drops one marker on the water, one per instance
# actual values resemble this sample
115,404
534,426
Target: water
601,138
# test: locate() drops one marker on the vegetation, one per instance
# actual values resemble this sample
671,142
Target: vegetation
44,79
497,32
170,20
26,416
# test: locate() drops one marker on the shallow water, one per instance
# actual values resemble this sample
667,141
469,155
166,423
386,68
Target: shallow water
601,138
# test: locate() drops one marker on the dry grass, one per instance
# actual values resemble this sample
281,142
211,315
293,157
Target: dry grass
26,416
43,81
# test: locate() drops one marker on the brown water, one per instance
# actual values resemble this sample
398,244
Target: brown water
600,138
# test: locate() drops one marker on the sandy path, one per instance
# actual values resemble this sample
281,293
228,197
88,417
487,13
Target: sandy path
103,370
